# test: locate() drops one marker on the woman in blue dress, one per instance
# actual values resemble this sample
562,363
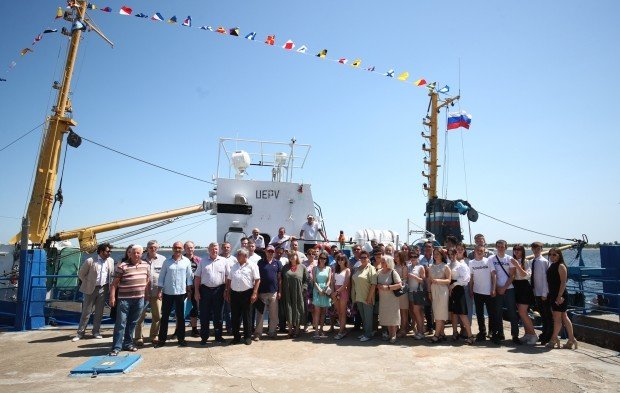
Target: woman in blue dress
321,281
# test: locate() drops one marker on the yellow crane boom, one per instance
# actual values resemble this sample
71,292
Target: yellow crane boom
87,235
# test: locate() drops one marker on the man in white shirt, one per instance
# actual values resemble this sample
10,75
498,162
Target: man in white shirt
155,261
242,281
309,233
230,261
259,240
96,276
281,239
505,294
253,257
210,280
541,289
482,285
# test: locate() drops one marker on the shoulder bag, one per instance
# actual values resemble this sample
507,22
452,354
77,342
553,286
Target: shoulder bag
397,292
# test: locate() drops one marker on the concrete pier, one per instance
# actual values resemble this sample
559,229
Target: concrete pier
39,361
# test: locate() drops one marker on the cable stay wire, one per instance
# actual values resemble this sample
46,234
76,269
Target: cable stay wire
134,233
147,162
525,229
187,230
21,137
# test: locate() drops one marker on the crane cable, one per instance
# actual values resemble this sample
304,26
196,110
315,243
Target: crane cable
146,162
525,229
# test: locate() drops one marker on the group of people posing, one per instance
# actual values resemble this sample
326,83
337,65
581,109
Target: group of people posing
415,289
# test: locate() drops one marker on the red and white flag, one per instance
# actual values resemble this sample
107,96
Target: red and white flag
125,10
289,45
343,61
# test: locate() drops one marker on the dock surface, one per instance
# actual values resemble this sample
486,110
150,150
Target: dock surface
40,361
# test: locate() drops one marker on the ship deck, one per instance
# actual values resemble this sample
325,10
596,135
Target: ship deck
40,361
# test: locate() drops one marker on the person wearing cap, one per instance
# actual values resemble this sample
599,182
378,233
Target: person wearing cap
309,233
269,270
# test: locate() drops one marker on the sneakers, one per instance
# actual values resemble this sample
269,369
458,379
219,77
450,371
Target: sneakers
338,336
481,336
418,336
393,340
77,338
364,339
360,336
97,336
529,339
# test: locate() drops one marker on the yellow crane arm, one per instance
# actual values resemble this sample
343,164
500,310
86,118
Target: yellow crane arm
87,235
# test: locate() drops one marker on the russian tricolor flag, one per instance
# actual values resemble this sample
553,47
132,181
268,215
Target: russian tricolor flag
456,120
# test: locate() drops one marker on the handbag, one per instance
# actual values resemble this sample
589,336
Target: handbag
397,292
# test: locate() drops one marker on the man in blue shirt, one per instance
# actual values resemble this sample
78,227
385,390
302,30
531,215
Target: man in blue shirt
175,280
268,292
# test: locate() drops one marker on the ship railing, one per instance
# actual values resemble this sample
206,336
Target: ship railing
61,303
603,302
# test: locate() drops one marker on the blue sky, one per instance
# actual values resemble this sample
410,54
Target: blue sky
537,77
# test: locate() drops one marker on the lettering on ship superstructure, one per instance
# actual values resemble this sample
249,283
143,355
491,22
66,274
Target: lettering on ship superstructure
267,194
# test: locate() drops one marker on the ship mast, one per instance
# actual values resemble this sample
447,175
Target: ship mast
42,198
432,123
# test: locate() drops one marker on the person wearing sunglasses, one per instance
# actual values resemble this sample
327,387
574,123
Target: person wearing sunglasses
96,276
321,292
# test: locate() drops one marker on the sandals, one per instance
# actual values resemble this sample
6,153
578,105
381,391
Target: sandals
455,337
434,339
470,340
131,349
114,352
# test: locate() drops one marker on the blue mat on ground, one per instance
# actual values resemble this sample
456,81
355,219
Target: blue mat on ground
98,365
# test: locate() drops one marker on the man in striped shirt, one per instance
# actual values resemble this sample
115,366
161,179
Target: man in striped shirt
132,281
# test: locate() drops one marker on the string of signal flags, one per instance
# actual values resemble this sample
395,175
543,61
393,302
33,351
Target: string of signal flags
289,45
270,40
